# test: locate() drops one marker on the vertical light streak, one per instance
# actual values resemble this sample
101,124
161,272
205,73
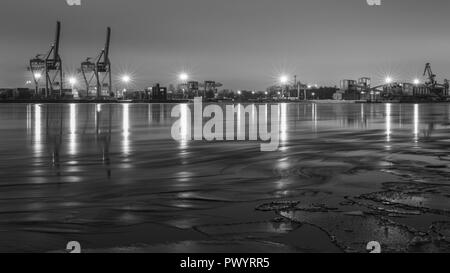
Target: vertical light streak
126,128
416,122
388,122
73,129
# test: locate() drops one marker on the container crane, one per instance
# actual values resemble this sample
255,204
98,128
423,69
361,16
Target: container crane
50,65
53,66
98,68
103,67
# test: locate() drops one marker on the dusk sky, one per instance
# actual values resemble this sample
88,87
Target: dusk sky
244,44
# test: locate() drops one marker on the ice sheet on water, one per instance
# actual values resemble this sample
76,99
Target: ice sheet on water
352,232
254,229
423,197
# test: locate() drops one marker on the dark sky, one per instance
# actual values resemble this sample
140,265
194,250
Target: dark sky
244,44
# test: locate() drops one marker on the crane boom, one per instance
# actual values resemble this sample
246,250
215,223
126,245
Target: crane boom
57,38
103,68
108,40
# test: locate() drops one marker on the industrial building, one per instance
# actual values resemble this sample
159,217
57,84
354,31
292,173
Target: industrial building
155,93
362,89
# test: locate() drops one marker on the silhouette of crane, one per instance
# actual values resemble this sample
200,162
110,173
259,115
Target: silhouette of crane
51,66
435,88
431,76
100,69
103,67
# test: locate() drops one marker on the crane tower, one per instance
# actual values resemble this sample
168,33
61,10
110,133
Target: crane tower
49,66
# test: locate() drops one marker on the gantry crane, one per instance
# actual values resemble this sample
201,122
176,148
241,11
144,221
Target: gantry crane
100,69
103,67
51,65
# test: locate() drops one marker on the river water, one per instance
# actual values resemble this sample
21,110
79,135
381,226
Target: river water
111,177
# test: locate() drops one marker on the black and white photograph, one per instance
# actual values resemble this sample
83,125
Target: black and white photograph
245,127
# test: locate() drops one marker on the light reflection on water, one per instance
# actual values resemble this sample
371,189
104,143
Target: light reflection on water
283,123
388,124
37,129
126,128
73,130
416,122
42,122
314,115
106,159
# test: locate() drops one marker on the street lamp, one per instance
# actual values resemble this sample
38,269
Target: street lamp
72,82
183,77
416,81
284,81
126,79
37,76
388,80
